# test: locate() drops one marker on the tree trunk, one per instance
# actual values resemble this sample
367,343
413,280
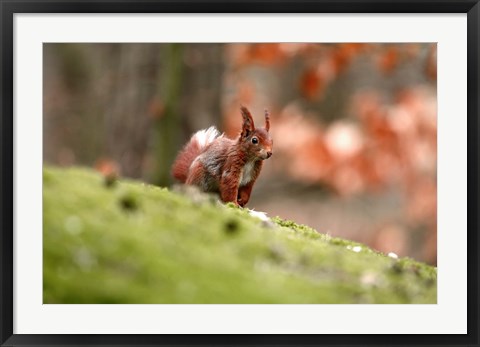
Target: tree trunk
167,125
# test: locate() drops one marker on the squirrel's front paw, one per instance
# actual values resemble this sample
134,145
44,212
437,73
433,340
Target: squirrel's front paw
241,203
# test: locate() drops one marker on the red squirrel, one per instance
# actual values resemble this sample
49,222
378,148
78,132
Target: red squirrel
225,166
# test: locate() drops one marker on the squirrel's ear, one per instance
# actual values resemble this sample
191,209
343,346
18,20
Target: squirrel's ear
248,125
267,120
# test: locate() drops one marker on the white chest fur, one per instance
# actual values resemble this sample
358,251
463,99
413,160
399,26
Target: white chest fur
247,173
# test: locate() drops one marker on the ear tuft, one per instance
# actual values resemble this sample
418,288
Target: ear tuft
267,120
248,125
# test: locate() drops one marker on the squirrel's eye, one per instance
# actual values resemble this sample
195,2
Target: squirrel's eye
254,140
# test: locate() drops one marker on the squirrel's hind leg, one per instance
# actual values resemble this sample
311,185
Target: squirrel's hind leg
200,177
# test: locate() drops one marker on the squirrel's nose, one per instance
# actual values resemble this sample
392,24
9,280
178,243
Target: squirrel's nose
269,154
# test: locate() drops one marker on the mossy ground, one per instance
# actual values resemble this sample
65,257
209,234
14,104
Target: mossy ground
130,242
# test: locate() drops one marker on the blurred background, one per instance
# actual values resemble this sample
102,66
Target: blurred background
354,125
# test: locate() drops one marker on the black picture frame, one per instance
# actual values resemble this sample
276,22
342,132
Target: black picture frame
10,7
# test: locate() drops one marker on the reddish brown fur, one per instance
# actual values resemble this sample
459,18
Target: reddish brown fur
184,160
245,191
221,165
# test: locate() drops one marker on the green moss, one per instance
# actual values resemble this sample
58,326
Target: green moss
137,243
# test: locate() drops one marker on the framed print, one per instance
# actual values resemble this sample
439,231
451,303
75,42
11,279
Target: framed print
184,173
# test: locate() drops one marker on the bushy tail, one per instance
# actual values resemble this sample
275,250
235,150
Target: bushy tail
192,149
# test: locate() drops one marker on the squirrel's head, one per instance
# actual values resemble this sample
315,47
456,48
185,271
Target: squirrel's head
257,143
